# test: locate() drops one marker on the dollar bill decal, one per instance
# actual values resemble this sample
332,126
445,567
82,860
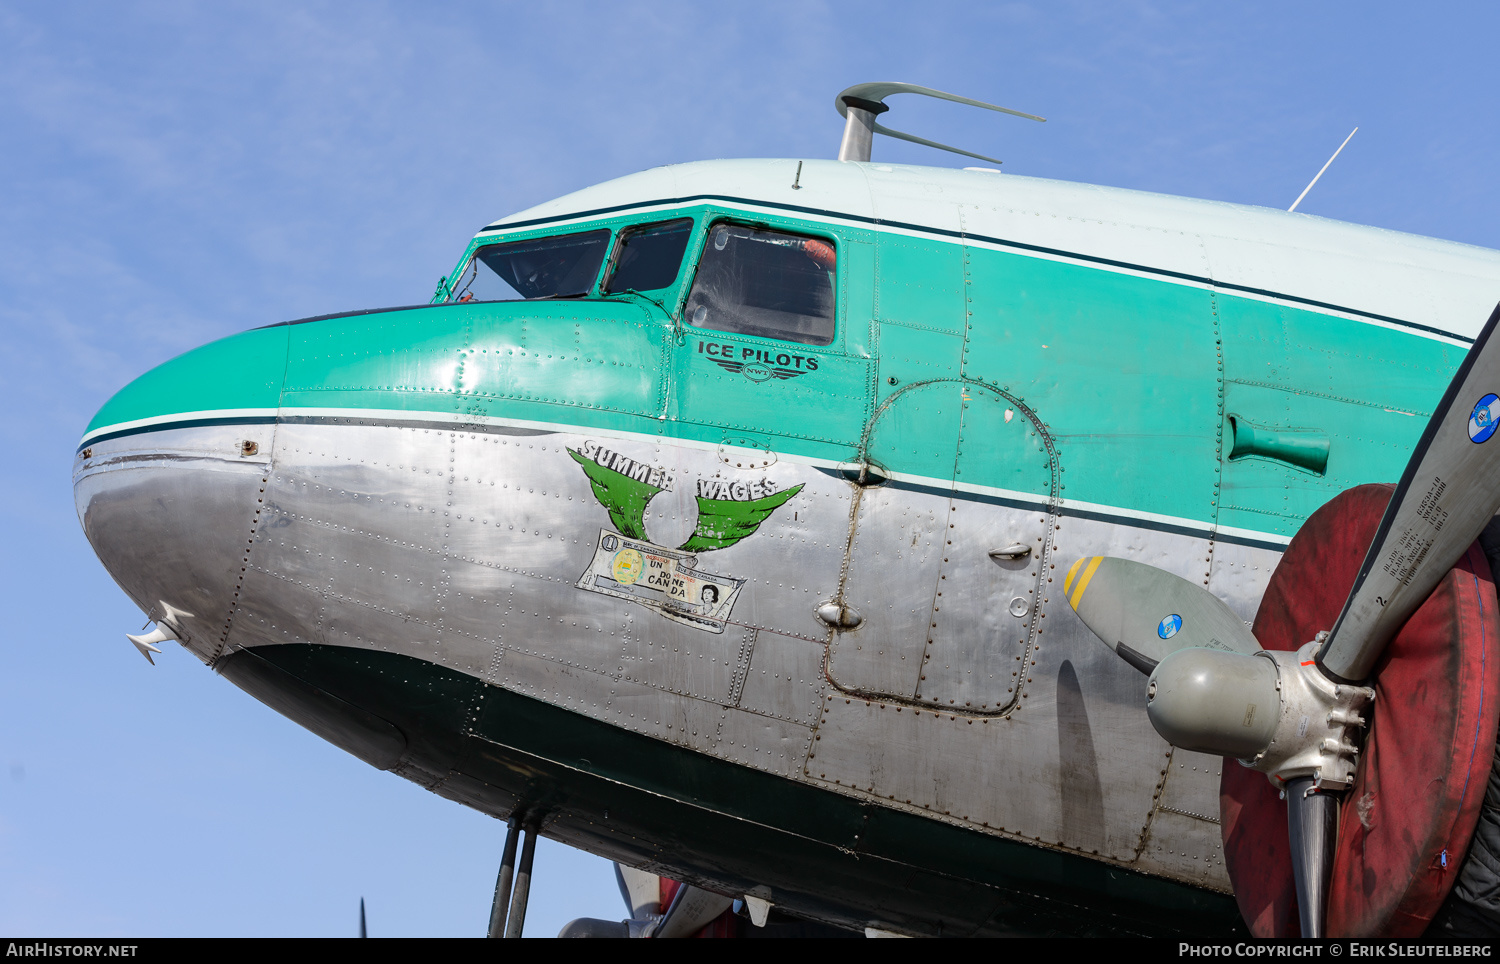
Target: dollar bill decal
661,579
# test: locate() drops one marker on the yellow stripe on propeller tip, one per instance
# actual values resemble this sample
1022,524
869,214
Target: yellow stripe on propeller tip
1075,592
1068,579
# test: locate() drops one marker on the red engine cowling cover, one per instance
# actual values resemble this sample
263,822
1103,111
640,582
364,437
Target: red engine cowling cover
1405,826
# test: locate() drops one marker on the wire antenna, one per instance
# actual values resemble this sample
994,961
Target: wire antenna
1320,172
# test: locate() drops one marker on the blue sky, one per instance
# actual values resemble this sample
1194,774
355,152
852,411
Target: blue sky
172,173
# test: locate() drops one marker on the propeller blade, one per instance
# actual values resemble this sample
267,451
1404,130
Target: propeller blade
1312,818
692,909
641,890
1145,614
1449,491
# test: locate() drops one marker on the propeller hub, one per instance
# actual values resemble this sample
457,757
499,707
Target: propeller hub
1275,712
1317,734
1211,701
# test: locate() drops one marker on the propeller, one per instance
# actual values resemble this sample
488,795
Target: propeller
688,912
1294,716
1108,595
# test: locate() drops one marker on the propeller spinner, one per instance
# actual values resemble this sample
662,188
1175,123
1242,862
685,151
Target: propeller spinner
1295,716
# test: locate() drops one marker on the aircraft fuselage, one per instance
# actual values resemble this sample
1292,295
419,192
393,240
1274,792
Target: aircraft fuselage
784,615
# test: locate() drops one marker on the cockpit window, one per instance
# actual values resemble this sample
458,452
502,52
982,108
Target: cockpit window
648,257
559,267
758,282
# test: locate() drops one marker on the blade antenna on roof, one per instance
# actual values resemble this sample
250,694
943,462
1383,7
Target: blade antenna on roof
860,105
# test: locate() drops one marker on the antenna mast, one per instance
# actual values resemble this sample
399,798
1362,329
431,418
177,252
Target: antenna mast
862,103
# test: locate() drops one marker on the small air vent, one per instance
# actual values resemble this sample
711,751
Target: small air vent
1304,448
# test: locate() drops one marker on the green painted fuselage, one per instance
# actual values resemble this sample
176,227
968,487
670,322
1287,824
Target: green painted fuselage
1054,365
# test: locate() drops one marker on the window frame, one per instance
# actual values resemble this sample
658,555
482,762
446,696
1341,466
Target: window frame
623,234
477,245
673,300
712,219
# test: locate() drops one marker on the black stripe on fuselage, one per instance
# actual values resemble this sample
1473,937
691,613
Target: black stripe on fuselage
631,797
1067,512
1002,242
179,423
1196,532
921,229
485,428
433,424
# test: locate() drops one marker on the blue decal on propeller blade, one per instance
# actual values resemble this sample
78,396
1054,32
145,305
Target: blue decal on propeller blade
1169,626
1484,419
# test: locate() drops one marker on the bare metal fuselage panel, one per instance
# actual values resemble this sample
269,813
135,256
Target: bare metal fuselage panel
760,614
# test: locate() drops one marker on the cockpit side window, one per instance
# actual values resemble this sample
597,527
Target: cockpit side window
649,257
754,281
557,267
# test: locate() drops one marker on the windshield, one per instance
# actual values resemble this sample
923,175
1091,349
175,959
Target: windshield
648,258
559,267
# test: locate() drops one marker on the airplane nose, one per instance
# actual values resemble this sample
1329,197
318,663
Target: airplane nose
169,475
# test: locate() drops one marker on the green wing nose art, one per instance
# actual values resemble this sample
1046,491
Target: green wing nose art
722,522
